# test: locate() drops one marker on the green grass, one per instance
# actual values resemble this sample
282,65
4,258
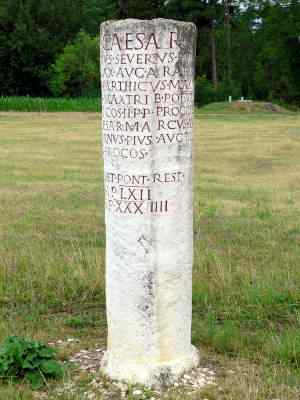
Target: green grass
246,293
39,104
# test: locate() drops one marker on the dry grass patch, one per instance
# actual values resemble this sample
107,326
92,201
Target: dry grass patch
247,248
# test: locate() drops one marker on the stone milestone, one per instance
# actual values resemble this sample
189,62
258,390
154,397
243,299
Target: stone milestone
147,72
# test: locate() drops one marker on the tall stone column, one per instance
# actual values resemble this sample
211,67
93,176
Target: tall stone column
147,70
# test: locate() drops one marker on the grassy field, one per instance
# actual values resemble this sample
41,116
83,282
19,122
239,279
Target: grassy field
247,246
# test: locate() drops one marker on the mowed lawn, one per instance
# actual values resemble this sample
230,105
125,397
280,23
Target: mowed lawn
246,294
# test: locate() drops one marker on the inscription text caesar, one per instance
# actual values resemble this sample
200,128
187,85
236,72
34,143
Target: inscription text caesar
147,94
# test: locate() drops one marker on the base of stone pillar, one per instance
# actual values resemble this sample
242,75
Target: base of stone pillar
148,374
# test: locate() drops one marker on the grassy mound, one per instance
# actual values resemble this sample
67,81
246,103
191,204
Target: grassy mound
243,107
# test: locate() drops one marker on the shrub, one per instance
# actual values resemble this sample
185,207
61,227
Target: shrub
76,71
204,91
228,88
29,360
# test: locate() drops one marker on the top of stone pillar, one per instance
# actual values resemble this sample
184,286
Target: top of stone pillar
130,21
186,30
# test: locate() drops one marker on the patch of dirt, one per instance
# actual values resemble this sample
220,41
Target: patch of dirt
87,363
101,387
88,360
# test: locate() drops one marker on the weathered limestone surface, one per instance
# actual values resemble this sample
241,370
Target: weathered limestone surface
147,70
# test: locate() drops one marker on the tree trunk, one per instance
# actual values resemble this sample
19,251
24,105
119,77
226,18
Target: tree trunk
124,8
214,56
227,23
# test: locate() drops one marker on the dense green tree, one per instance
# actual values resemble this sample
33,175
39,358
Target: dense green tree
243,62
145,9
97,11
278,51
76,70
32,33
212,18
205,15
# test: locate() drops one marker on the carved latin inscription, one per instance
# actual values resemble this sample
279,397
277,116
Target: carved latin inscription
147,92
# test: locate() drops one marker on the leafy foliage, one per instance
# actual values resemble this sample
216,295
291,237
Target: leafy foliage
145,9
76,70
32,34
27,359
205,92
95,12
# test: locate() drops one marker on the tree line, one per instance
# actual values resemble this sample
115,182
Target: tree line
247,48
